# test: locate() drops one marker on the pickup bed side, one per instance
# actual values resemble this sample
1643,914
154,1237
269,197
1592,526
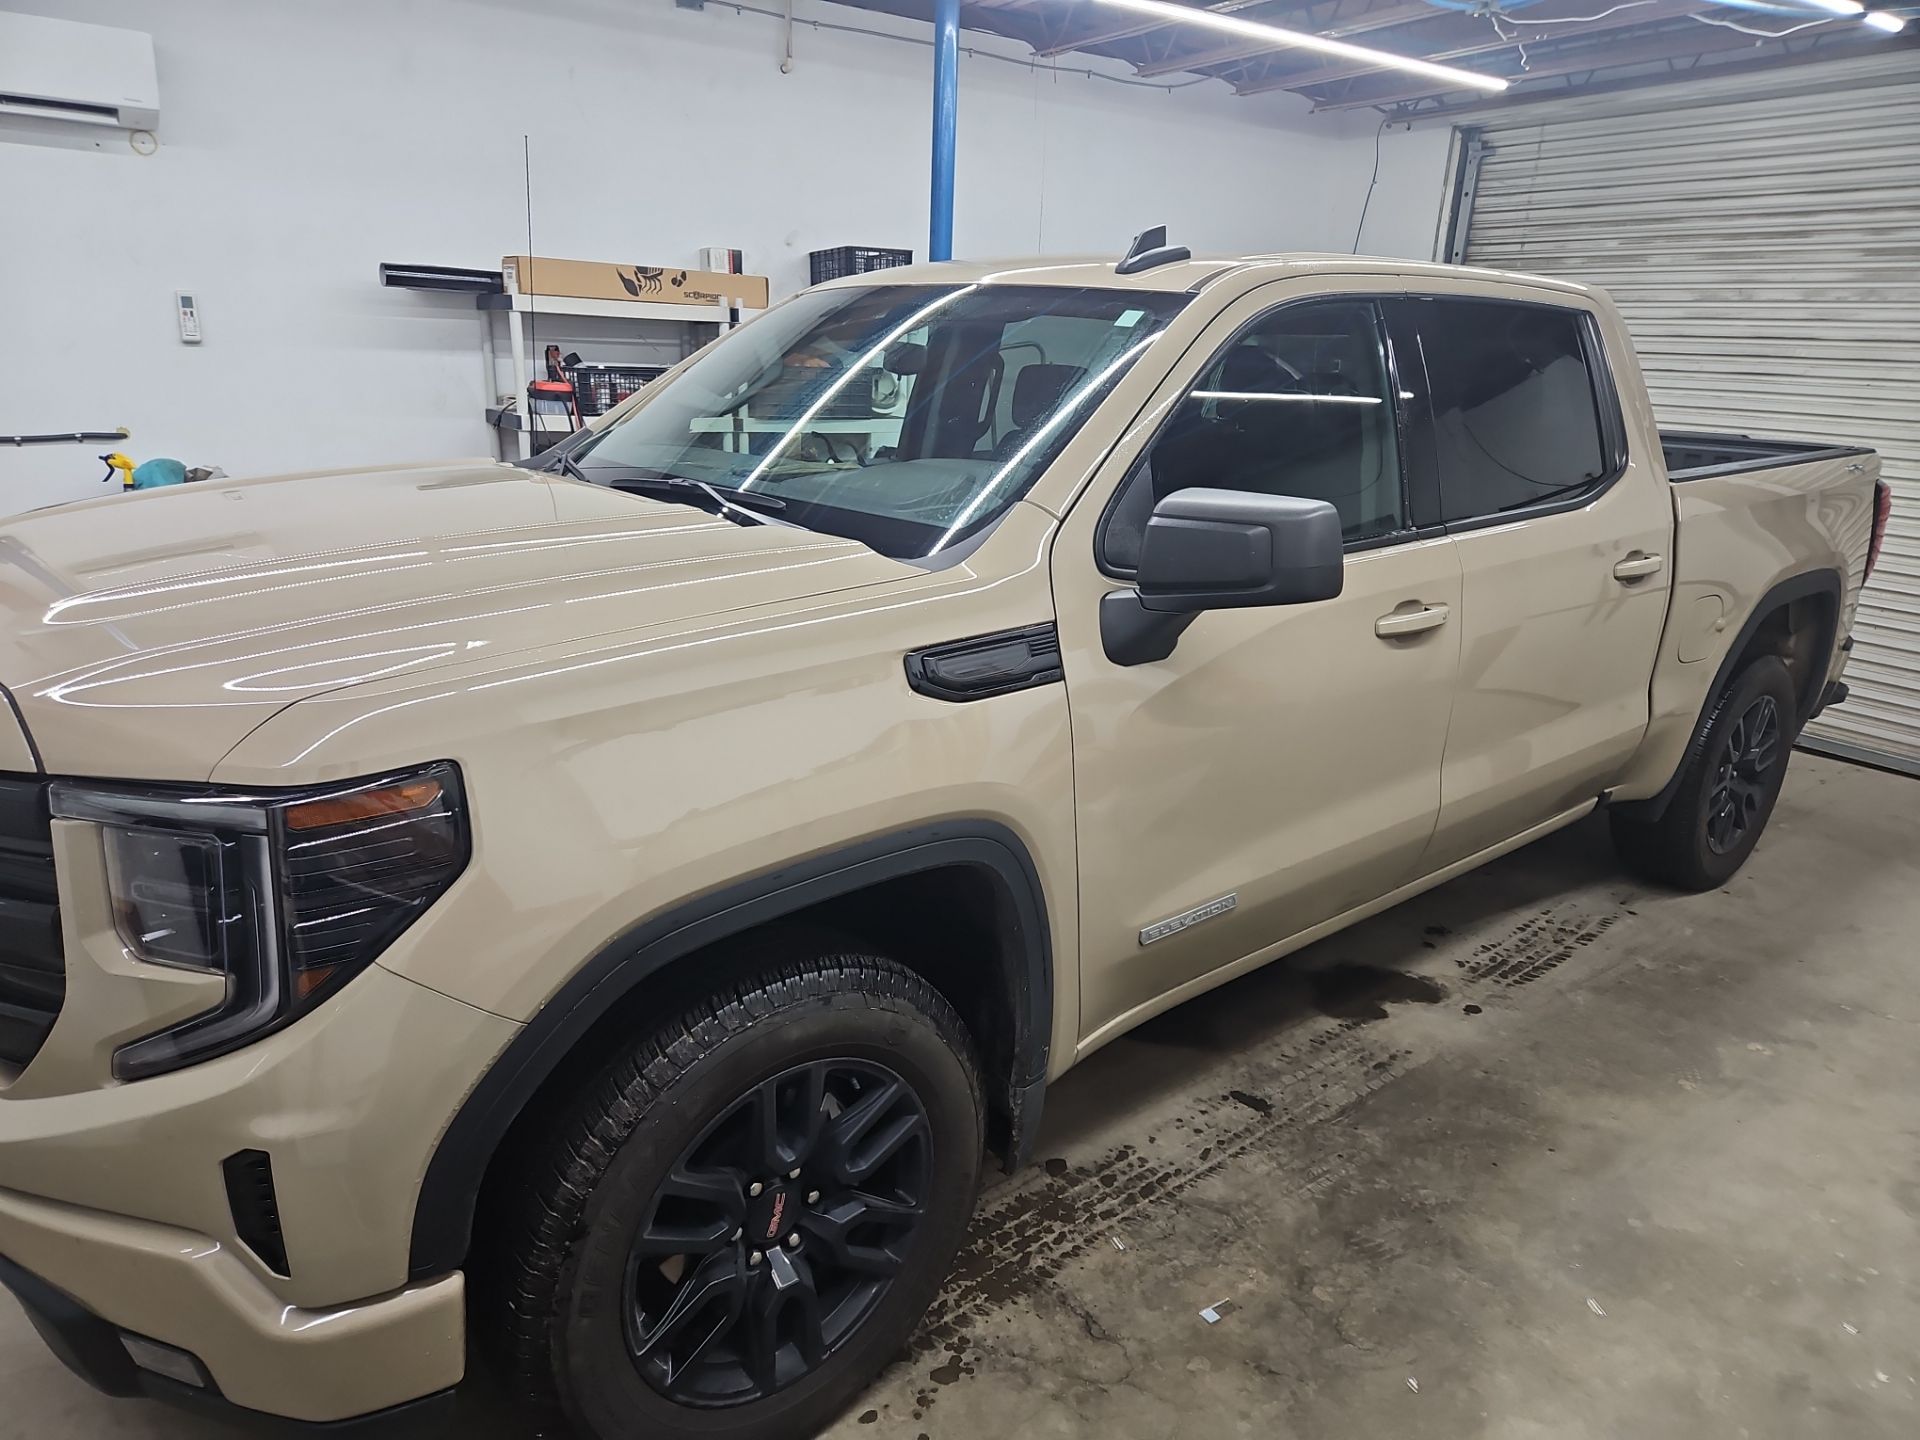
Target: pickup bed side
1770,552
1700,454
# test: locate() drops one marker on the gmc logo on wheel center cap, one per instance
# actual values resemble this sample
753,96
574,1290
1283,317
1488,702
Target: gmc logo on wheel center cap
779,1209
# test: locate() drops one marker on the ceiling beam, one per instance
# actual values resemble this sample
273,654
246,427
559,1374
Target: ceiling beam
1821,47
1384,19
1524,32
1667,45
1009,19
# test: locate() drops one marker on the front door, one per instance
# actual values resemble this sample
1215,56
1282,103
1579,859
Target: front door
1281,765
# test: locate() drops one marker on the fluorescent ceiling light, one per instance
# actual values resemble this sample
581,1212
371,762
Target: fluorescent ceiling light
1838,7
1881,20
1300,39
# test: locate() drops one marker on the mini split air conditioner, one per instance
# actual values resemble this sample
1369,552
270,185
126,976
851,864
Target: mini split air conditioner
63,70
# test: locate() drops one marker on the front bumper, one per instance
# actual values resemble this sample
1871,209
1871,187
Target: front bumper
95,1350
116,1196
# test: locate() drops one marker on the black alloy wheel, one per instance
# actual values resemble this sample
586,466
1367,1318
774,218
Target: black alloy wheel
776,1232
1700,835
734,1224
1742,775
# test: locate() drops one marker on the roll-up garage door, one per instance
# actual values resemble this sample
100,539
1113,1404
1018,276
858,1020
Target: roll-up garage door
1762,236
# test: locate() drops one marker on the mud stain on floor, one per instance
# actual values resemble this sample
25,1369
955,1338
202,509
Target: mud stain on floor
1363,992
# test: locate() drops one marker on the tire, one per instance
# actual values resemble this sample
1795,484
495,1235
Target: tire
1727,791
852,1056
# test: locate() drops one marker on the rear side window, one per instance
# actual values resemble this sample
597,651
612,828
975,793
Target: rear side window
1516,412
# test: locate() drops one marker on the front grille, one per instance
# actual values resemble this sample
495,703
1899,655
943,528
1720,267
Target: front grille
33,972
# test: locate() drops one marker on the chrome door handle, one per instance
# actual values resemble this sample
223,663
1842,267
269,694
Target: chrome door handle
1638,566
1410,622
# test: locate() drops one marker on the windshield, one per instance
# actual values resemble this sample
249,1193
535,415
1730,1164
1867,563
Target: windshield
907,417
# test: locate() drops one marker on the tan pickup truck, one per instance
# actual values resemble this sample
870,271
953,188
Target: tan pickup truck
609,912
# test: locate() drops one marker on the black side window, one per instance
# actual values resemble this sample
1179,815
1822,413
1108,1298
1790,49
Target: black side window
1516,414
1298,404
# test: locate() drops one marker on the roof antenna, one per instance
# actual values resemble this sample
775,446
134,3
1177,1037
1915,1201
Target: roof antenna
1150,249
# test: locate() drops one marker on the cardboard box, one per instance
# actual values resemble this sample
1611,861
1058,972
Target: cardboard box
603,280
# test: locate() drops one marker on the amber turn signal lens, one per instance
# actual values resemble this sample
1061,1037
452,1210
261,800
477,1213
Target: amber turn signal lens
306,982
363,805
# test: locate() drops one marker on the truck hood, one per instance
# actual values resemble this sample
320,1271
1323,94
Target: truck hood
146,635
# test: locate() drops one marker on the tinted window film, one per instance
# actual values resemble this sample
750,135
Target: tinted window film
1298,404
1516,418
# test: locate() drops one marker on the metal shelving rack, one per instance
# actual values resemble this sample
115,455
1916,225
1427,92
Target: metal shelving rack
699,324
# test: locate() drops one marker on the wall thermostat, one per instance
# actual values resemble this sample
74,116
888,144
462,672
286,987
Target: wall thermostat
189,313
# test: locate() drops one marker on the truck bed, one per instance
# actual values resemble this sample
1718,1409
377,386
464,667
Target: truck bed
1757,522
1696,454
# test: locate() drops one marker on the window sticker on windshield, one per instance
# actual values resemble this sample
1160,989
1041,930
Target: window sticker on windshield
1129,318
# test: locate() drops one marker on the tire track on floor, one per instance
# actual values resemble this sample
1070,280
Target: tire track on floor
1027,1232
1541,943
1025,1235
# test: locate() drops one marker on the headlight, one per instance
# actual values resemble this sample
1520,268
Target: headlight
287,895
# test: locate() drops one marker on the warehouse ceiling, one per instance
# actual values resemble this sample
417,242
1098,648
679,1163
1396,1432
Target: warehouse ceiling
1539,47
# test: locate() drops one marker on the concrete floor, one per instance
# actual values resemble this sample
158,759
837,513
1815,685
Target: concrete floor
1543,1153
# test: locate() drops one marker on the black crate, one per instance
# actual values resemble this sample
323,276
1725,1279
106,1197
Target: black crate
854,260
598,388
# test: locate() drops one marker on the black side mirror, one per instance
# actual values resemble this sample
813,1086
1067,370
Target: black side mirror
1217,550
1226,549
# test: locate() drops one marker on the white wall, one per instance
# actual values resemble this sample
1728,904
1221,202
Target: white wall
302,143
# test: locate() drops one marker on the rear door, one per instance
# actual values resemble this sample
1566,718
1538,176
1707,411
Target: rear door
1563,539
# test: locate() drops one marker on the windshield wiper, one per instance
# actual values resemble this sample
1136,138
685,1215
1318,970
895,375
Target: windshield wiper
726,502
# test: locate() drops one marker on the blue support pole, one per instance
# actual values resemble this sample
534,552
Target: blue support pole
946,98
